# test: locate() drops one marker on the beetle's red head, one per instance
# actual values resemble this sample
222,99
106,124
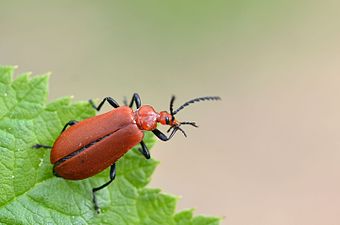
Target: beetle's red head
166,118
147,118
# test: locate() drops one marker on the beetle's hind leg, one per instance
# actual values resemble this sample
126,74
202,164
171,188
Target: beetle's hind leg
110,100
69,123
112,177
144,150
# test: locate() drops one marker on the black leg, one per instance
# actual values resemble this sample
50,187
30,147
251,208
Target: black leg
162,136
41,146
110,100
144,150
136,99
112,177
69,123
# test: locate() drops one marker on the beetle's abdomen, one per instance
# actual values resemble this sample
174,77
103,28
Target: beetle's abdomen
99,155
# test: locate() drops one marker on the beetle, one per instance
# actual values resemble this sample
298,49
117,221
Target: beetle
86,148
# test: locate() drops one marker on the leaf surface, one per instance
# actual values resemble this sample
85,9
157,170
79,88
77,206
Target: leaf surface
30,194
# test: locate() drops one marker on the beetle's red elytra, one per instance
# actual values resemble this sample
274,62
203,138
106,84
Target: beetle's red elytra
103,140
86,148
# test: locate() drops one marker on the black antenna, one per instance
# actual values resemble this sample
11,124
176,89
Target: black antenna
189,123
207,98
180,124
171,106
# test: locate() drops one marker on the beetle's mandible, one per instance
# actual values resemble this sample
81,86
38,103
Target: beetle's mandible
86,148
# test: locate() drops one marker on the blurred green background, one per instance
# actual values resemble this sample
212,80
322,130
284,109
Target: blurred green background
268,153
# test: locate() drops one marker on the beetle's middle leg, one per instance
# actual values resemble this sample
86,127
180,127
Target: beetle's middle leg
110,100
135,99
112,177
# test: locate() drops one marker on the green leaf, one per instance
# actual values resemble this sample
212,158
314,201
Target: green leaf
30,194
185,218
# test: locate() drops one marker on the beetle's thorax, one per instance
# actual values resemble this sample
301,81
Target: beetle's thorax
146,118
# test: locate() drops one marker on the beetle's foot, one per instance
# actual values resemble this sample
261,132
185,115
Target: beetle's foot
91,102
94,200
41,146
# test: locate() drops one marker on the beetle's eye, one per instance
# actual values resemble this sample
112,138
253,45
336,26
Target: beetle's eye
167,120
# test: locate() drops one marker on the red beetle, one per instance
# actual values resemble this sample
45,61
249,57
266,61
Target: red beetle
92,145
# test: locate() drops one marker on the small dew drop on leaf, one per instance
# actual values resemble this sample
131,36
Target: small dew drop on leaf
12,176
41,162
5,94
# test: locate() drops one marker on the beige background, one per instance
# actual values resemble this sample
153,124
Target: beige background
268,154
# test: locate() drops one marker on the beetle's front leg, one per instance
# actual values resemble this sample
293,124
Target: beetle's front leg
162,136
110,100
112,177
